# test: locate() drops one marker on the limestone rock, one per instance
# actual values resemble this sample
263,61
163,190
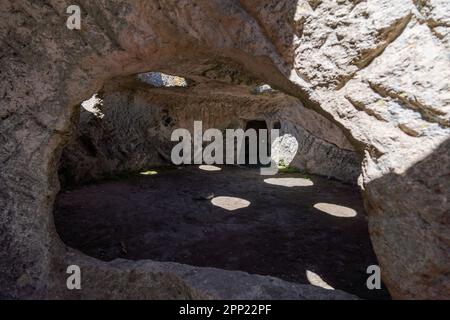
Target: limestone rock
135,130
395,52
146,279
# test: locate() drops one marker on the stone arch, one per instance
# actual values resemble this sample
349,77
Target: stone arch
121,38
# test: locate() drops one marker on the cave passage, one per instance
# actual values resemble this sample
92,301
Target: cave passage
303,229
256,125
300,228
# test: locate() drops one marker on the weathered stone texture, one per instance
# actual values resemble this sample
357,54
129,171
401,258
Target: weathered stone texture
134,129
380,70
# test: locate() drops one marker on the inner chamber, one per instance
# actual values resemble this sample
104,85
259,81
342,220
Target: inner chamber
122,197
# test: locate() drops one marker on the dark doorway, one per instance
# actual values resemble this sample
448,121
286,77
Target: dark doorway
277,125
256,125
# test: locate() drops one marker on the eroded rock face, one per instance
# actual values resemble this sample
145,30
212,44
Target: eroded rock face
378,69
148,279
132,129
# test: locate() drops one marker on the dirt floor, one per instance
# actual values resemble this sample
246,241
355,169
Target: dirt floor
278,228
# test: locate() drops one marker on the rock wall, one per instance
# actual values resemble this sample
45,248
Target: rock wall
134,129
379,70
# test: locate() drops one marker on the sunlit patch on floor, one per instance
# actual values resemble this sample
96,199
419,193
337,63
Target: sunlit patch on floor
230,203
209,168
229,219
317,281
148,173
336,210
289,182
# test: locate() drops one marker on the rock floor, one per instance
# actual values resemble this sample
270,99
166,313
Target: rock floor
308,231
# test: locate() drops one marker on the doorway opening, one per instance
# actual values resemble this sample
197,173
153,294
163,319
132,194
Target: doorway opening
257,125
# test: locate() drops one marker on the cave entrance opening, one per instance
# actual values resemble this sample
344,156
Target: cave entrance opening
129,202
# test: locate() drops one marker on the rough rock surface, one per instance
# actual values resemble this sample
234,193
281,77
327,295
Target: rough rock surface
147,279
134,130
379,70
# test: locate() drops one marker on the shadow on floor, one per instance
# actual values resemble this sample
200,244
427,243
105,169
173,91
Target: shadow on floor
169,216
